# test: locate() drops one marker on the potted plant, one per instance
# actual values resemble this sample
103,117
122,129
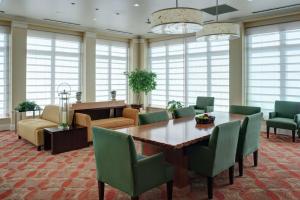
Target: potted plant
173,105
141,82
27,106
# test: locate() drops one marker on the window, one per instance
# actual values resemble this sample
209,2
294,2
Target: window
186,69
273,60
52,59
4,111
111,66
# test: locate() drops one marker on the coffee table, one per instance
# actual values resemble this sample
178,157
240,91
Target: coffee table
61,140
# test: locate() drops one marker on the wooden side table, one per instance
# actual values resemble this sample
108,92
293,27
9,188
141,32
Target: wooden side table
61,140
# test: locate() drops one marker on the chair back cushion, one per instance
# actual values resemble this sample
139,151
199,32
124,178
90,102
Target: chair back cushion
150,118
184,112
115,157
244,110
249,135
287,109
223,142
51,113
203,102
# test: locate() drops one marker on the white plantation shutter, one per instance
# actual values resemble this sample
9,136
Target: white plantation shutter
4,75
111,64
273,65
51,60
187,69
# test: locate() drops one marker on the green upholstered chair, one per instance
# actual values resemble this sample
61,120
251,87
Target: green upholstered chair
218,156
149,118
244,110
184,112
249,139
204,105
285,116
118,165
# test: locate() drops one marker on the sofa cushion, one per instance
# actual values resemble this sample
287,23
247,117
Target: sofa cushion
284,123
113,122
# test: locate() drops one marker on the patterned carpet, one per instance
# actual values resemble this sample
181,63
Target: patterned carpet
29,174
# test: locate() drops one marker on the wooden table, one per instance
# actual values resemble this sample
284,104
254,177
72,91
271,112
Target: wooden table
173,136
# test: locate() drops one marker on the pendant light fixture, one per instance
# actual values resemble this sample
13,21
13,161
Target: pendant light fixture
217,31
177,20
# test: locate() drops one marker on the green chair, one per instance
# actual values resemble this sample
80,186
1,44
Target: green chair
248,139
149,118
118,165
184,112
285,116
204,105
218,155
244,110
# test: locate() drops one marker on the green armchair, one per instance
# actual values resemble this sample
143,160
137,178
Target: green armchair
204,105
244,110
118,165
285,116
149,118
218,155
184,112
248,140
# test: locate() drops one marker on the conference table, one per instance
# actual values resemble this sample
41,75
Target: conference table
173,137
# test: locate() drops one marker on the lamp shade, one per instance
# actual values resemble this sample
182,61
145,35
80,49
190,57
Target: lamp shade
177,20
218,31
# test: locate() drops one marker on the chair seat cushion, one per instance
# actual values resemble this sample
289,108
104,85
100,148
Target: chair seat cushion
31,125
113,122
199,111
284,123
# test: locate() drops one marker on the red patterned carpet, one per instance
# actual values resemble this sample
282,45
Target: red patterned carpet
29,174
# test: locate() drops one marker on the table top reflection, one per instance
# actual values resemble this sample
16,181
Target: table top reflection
178,133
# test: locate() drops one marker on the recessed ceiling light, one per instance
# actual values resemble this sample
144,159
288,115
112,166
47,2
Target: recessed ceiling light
97,9
136,5
73,3
117,13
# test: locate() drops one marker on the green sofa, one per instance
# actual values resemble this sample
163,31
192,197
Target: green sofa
244,110
118,165
285,116
204,105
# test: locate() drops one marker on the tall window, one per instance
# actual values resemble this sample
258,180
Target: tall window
111,66
273,60
52,59
186,69
4,72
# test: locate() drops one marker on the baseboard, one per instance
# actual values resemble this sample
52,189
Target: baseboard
5,127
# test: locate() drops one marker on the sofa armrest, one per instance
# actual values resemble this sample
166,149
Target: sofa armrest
272,115
131,114
209,109
84,120
297,119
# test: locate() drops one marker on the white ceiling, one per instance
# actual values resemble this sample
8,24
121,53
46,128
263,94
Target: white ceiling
131,19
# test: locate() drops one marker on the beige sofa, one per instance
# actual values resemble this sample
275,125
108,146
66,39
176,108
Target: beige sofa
129,118
31,129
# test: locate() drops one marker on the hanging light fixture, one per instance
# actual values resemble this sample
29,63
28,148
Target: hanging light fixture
218,30
178,20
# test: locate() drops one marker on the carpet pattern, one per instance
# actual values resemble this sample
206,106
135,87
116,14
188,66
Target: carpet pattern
28,174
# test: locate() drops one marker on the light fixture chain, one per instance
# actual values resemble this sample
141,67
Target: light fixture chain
217,10
176,3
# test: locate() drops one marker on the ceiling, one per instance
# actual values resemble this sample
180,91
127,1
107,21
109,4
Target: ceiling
122,15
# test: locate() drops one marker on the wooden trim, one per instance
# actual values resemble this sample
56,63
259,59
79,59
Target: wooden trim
102,104
54,29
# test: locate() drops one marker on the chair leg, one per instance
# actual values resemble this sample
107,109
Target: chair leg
39,148
101,187
241,166
298,132
135,198
210,182
294,135
231,175
255,158
169,190
268,131
275,131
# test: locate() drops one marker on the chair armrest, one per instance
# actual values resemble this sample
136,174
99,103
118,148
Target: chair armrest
272,115
297,119
131,114
209,109
82,119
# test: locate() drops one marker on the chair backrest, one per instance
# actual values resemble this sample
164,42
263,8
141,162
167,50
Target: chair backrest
223,142
287,109
244,110
51,113
249,134
150,118
184,112
115,157
203,102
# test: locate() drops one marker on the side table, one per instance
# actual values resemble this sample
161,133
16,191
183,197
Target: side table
61,140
